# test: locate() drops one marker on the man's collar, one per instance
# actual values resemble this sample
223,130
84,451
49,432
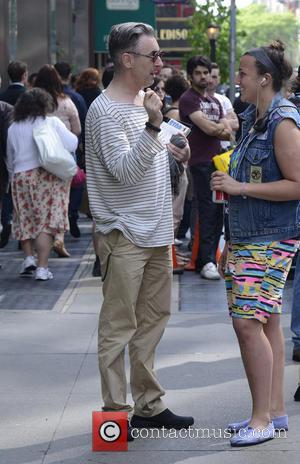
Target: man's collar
204,94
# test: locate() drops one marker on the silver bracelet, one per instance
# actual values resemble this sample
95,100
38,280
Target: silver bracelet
243,191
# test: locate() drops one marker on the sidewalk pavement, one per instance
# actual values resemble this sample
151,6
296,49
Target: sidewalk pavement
50,382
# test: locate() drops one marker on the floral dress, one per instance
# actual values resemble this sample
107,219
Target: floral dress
40,204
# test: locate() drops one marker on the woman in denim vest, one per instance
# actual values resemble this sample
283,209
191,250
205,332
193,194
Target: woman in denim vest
263,234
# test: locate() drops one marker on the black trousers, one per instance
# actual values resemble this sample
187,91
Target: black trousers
210,215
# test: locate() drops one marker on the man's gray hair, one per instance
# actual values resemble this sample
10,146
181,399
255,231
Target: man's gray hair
124,37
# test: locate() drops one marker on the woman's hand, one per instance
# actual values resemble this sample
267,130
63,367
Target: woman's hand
225,183
222,264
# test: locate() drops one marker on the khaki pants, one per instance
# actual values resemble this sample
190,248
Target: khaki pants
135,311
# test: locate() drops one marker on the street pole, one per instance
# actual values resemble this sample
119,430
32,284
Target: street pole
232,49
212,50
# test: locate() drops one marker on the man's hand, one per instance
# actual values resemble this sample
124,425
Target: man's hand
225,183
180,154
226,133
153,105
226,124
212,128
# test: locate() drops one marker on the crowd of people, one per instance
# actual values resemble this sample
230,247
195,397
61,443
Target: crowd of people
118,138
70,107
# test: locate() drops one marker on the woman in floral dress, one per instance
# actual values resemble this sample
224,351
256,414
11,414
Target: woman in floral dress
40,198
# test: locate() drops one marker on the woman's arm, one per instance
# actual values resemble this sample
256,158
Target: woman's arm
74,118
287,152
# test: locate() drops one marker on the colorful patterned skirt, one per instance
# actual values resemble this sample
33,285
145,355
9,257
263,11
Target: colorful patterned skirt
40,204
255,277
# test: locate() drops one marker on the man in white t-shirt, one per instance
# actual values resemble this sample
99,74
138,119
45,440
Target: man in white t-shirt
228,110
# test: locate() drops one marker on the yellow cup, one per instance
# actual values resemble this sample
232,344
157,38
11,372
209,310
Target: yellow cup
222,161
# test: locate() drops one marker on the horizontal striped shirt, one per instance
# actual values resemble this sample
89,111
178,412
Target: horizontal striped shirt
128,174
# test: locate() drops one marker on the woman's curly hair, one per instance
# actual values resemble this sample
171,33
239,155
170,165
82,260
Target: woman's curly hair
33,103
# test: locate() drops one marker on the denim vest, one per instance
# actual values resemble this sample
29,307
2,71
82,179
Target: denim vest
252,219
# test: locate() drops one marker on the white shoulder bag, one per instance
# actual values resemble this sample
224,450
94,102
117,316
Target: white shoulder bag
53,156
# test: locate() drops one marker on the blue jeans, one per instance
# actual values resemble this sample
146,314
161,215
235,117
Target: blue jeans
295,322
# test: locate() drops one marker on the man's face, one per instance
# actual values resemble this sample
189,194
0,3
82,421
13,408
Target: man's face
160,89
165,73
200,78
144,65
24,77
214,79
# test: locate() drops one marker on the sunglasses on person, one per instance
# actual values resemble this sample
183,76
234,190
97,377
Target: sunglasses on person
153,56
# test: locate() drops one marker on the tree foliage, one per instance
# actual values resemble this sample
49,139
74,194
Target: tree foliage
270,26
212,12
256,26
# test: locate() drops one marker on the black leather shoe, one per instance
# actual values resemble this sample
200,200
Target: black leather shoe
297,394
74,229
129,433
296,354
166,419
4,236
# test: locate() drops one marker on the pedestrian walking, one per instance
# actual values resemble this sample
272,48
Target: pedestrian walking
40,199
48,79
6,111
17,73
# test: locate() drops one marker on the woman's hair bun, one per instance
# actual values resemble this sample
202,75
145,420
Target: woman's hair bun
277,45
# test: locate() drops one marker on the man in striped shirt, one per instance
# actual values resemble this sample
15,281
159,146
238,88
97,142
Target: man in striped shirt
130,198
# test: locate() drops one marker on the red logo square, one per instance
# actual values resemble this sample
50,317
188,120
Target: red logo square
110,431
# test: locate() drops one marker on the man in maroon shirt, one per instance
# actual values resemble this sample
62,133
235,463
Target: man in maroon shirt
210,126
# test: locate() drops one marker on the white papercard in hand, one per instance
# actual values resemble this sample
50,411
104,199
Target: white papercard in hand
173,127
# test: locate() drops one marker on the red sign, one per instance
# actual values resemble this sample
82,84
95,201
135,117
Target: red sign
110,431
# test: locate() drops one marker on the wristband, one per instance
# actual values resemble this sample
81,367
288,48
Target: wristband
243,191
152,127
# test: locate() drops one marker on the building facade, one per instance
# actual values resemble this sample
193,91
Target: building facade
44,31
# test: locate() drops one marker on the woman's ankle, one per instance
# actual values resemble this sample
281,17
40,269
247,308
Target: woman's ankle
277,413
260,420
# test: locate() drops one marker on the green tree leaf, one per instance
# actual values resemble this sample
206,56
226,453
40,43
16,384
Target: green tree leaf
256,26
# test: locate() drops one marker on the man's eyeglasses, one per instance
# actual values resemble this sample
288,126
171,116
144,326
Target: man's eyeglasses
153,56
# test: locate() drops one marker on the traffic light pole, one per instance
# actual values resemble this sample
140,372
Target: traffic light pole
232,49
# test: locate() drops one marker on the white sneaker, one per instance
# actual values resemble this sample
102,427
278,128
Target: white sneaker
209,271
28,265
178,242
43,273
